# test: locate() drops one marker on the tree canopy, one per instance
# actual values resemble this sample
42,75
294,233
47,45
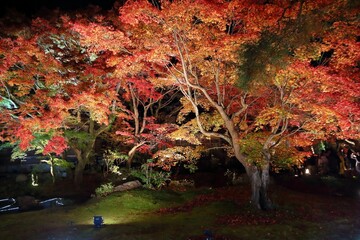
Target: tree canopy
268,78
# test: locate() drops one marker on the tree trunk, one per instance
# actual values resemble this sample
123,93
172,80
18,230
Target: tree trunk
83,156
79,170
82,160
260,179
131,154
52,170
129,160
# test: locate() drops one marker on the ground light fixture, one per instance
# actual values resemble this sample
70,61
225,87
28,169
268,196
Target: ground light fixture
98,221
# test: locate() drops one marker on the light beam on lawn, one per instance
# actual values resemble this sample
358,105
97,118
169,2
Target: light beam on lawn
108,220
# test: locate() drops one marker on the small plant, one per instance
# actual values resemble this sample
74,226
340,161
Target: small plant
104,190
159,178
111,160
115,170
153,179
192,167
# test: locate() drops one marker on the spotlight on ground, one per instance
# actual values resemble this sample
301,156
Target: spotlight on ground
98,221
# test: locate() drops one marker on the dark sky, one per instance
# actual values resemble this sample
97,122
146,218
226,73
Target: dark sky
30,7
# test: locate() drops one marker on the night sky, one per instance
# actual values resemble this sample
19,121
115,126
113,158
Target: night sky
30,7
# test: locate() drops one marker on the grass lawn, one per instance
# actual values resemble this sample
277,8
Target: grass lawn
145,214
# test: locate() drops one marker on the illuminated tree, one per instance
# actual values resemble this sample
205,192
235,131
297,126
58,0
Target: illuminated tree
56,86
141,93
261,76
199,43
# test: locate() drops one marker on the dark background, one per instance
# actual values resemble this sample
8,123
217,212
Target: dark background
30,7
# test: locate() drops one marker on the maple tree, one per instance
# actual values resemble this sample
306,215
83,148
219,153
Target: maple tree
49,146
141,95
141,131
91,81
57,86
268,110
261,76
22,74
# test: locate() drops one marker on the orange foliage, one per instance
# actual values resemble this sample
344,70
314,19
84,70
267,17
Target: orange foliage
119,65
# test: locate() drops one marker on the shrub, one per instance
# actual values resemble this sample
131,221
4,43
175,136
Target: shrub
104,190
112,159
151,178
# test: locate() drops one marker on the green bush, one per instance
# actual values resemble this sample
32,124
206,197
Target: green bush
104,190
112,159
151,178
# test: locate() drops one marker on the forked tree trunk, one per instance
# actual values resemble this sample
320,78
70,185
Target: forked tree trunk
192,90
260,179
83,156
83,159
51,164
79,171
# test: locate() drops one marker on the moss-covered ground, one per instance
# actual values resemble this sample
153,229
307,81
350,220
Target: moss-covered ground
144,215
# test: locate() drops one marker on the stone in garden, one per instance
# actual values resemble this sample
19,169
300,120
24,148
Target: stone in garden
127,186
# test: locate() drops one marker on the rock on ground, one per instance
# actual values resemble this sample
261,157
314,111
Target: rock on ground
127,186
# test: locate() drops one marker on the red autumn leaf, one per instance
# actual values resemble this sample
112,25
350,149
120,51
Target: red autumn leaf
56,144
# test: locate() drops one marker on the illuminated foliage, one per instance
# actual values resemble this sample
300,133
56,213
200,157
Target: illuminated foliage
288,94
261,77
171,157
56,87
